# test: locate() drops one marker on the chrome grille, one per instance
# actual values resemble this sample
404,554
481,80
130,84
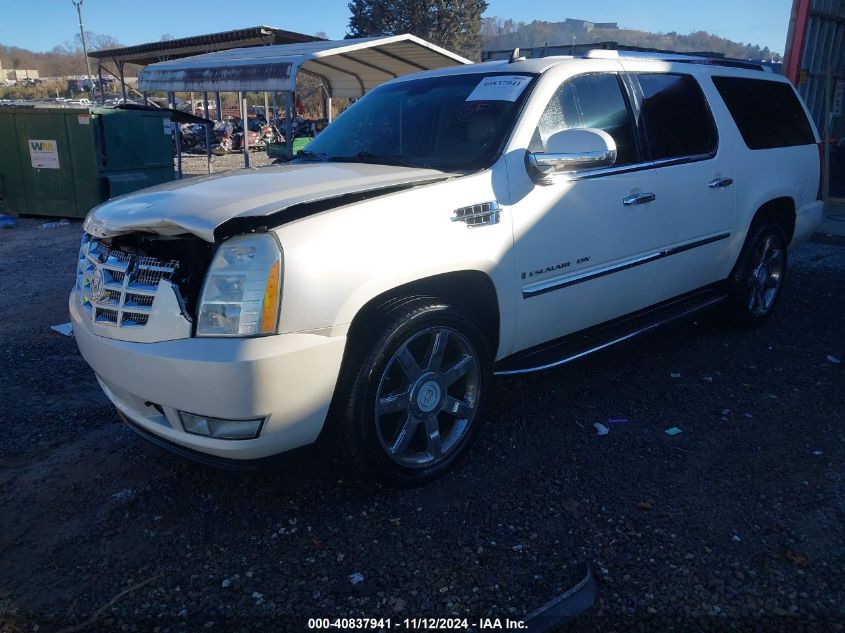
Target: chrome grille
116,288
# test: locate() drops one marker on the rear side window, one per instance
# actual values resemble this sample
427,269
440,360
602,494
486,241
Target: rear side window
677,119
596,101
767,113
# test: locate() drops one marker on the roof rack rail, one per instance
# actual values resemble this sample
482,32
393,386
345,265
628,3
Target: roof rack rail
596,49
713,59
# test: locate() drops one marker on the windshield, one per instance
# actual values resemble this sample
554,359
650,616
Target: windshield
451,123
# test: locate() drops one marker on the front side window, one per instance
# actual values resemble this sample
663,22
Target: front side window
452,123
595,101
677,119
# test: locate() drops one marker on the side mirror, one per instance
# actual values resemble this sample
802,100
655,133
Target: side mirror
570,150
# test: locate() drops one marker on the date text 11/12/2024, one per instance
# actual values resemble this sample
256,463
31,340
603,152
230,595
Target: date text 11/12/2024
416,624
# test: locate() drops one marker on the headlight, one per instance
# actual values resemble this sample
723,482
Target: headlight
242,289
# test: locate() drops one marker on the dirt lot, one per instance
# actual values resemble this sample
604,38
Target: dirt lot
193,165
737,523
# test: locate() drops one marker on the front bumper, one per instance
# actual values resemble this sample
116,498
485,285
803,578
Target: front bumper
287,379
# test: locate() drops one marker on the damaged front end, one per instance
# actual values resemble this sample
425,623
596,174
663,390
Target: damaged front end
141,287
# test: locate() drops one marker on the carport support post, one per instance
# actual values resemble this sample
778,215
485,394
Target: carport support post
102,87
289,123
245,126
828,120
219,107
267,107
178,137
171,100
207,133
275,107
327,102
122,81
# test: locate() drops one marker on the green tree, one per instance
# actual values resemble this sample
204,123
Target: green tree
452,24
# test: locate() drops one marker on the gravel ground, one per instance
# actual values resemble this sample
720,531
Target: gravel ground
737,523
193,165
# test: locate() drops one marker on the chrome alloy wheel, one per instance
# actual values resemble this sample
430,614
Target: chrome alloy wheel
766,276
427,397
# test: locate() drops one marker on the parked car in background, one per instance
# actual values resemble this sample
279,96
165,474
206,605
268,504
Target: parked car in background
496,218
199,107
117,101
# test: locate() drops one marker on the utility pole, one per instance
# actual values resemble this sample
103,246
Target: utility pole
78,5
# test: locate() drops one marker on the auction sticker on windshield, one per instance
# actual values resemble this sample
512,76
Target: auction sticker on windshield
500,88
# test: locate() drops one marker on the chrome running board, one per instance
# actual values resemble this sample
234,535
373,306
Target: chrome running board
580,344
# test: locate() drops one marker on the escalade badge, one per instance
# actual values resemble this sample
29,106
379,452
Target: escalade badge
97,285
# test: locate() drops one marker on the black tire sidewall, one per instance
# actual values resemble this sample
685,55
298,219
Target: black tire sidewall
386,338
739,281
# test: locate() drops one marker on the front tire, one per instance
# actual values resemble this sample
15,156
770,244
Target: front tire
758,278
416,393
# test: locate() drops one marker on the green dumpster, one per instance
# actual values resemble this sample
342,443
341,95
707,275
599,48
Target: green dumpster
62,162
280,150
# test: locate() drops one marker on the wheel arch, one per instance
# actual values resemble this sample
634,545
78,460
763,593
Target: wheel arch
470,291
781,211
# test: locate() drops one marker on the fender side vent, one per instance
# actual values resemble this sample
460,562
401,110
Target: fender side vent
478,214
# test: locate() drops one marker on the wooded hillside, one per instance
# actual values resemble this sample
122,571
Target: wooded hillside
498,33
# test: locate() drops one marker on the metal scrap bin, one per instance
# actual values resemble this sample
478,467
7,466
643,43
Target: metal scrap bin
62,162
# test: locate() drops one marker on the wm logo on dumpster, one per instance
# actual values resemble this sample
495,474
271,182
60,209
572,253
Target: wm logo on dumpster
42,146
44,153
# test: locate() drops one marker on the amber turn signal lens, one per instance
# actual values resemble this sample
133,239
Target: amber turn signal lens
270,307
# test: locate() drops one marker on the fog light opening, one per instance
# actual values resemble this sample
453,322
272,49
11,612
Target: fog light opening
219,428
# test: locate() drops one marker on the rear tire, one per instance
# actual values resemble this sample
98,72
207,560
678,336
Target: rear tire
415,393
758,277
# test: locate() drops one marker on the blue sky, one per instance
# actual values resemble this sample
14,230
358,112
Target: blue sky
41,24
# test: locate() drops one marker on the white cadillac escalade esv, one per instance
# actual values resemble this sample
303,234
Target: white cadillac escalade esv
493,218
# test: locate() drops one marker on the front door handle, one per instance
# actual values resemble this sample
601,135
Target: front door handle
638,198
718,183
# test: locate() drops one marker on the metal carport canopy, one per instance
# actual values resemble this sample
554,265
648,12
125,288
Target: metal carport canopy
349,68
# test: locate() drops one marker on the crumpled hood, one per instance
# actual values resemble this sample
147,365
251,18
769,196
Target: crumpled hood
199,205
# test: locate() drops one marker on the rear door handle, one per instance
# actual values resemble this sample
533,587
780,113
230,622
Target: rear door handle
638,198
718,183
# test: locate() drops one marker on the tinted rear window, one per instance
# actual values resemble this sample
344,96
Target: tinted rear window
767,113
677,119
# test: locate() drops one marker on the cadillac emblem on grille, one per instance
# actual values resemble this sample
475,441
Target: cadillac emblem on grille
97,284
116,288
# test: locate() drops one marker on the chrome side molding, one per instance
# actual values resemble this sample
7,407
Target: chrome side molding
549,285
